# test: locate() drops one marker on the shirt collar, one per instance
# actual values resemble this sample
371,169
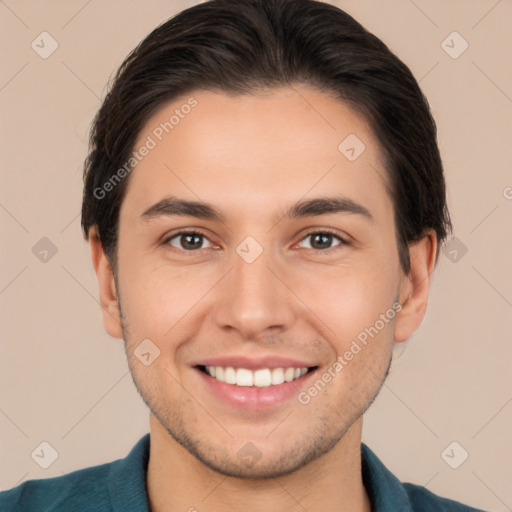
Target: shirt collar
385,491
127,482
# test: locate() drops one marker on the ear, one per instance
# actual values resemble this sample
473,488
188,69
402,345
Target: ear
106,286
414,287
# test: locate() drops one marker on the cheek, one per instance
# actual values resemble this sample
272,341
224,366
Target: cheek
156,298
350,303
350,298
358,309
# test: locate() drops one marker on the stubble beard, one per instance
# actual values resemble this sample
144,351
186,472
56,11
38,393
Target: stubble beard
326,434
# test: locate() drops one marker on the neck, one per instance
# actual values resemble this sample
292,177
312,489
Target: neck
176,480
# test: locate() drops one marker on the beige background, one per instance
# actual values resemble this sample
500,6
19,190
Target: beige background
64,381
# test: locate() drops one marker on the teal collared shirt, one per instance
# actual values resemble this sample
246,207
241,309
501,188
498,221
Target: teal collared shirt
120,486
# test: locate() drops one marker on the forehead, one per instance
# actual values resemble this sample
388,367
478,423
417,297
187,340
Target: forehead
273,146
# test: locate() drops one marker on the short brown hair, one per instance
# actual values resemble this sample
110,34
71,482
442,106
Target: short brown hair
240,46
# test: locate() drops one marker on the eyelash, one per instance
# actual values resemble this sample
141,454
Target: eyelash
343,242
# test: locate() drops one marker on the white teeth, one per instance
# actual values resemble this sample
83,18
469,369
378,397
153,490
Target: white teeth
262,378
244,377
277,376
229,375
288,374
259,378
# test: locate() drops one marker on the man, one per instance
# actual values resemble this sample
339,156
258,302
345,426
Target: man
265,202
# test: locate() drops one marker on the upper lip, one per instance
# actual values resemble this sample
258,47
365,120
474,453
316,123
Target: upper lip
254,363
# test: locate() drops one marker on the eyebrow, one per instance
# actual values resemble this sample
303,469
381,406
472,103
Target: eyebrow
172,206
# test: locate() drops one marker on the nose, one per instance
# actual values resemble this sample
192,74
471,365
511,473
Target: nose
254,299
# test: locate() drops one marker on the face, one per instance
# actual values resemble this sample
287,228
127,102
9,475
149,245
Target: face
269,305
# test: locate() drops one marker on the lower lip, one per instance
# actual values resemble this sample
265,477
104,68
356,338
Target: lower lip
255,398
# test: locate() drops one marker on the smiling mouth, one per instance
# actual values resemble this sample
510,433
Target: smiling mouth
262,378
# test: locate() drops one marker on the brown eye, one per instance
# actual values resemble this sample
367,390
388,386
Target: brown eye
187,240
322,240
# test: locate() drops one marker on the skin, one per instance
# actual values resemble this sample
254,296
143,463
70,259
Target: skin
252,157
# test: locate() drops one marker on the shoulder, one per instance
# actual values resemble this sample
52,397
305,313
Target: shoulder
388,494
85,489
119,485
422,500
